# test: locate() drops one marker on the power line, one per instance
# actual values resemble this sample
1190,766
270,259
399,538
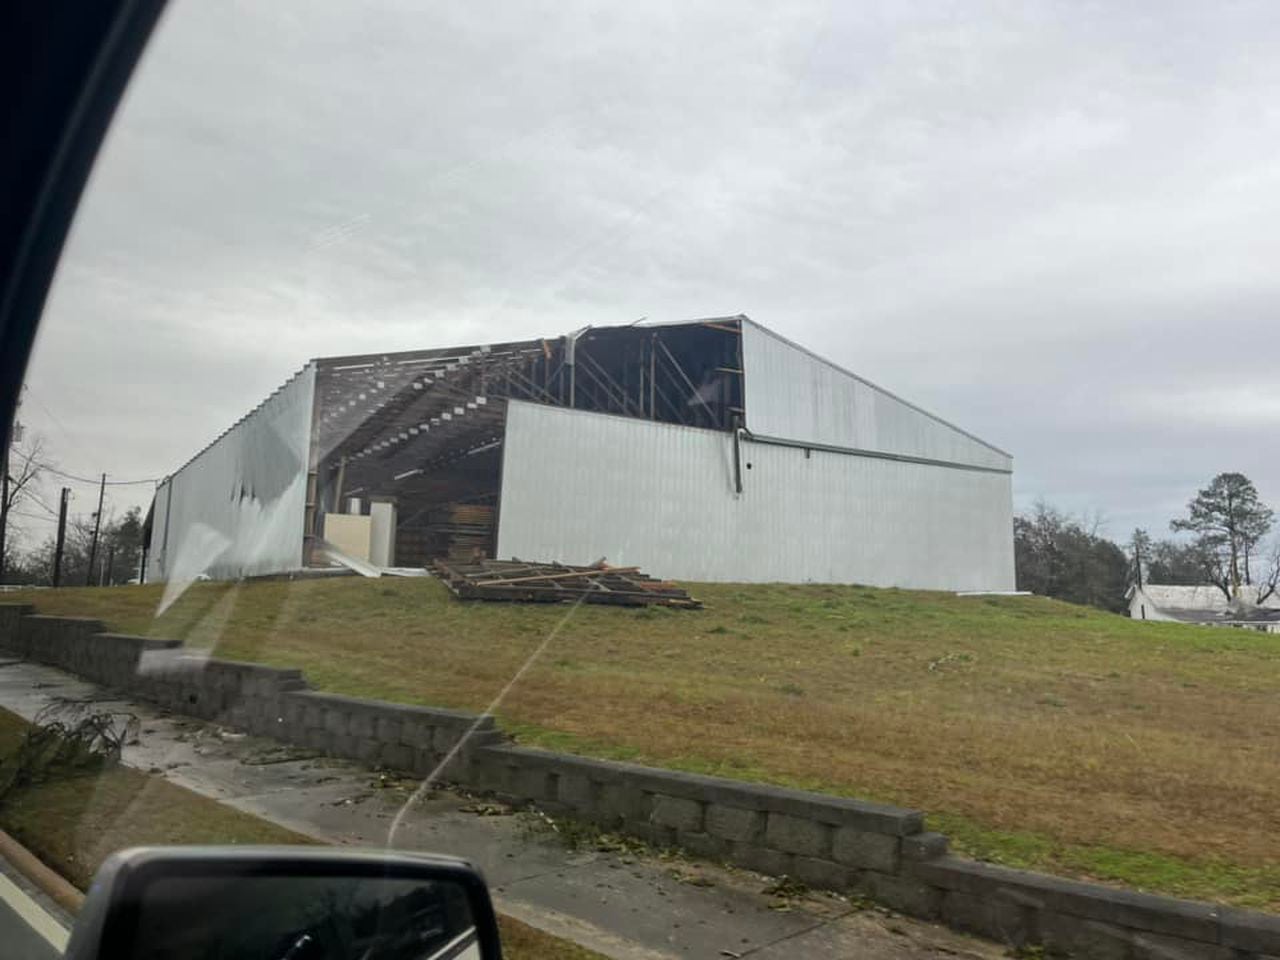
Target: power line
66,433
110,483
32,494
31,516
50,415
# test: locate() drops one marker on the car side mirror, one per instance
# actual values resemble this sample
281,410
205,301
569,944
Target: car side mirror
284,903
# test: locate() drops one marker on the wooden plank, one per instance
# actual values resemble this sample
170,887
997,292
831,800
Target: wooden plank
566,575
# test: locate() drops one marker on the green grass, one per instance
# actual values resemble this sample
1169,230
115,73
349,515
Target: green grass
1035,733
73,824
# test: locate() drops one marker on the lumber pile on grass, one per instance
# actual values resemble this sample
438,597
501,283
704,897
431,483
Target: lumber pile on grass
555,582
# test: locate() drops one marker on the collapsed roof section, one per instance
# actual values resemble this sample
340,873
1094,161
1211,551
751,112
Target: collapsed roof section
410,405
426,426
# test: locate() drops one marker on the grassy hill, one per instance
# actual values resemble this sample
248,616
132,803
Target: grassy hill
1036,733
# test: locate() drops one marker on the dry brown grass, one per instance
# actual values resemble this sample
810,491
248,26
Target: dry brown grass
1036,732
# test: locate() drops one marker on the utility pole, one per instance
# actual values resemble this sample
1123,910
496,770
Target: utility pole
4,480
97,526
4,505
62,536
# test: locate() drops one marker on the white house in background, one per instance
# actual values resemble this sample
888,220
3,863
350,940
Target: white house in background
1203,604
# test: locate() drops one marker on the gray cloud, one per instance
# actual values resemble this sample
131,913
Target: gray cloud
1052,223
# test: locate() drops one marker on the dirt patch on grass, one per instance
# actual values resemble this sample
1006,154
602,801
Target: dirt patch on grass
1038,733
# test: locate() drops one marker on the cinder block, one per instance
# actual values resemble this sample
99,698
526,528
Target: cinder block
1110,906
317,739
653,834
388,729
481,737
343,745
457,770
414,732
924,846
534,784
1153,946
295,713
424,762
824,874
677,813
870,851
808,838
997,919
734,823
622,801
491,773
335,720
360,724
1077,937
293,732
703,844
775,863
903,894
396,756
366,750
1251,930
444,739
576,791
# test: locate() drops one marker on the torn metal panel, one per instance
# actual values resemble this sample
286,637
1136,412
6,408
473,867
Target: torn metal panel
236,509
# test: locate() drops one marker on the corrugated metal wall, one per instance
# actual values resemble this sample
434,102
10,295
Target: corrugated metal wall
579,486
797,395
237,508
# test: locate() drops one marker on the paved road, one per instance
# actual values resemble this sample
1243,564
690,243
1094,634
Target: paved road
27,930
626,904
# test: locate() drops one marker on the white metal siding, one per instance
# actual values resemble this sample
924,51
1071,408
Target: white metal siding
795,395
579,486
238,507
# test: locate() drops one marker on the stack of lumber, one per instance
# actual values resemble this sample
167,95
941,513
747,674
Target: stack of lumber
459,531
469,530
553,582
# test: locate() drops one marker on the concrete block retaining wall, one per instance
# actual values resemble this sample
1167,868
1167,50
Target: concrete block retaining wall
879,851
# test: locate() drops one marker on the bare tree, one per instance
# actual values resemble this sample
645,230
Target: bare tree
22,470
1269,581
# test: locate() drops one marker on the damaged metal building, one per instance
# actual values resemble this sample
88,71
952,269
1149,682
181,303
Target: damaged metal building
711,450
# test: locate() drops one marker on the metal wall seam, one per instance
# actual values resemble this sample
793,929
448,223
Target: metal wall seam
877,454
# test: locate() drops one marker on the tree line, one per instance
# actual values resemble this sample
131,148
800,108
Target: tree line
1224,545
120,547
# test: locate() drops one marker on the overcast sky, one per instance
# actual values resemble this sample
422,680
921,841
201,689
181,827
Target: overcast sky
1054,224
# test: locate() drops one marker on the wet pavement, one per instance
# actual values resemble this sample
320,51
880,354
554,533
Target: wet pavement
624,901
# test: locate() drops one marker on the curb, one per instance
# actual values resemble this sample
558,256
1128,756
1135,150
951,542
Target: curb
51,884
